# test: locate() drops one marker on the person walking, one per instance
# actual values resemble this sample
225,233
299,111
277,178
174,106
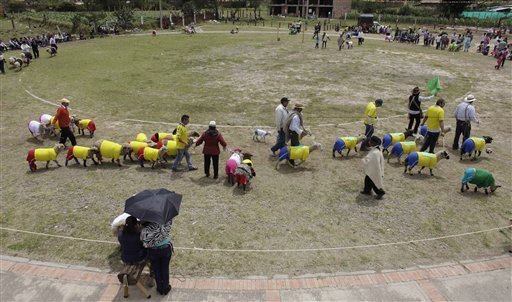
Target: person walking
415,112
370,114
155,237
35,48
435,125
373,164
53,43
62,116
464,114
182,144
317,40
211,138
341,41
325,37
280,117
294,127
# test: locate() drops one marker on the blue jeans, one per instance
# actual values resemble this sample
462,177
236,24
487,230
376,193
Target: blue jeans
160,259
280,141
179,157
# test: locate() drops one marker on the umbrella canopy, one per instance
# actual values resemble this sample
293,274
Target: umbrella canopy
158,206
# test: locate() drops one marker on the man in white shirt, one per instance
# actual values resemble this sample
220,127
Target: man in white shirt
294,127
465,113
281,113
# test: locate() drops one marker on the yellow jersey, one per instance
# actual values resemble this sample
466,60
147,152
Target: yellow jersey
426,159
370,113
110,149
81,152
181,134
45,154
299,153
435,114
350,142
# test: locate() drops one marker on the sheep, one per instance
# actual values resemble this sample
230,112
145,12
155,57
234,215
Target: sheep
260,135
83,124
349,143
135,146
84,153
26,57
141,137
160,136
16,63
151,154
234,160
37,129
244,172
473,145
111,150
480,178
424,159
392,138
402,148
52,51
44,154
296,153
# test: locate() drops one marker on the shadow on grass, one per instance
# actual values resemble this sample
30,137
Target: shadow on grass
147,169
33,140
479,195
107,166
205,181
114,259
42,169
367,200
466,161
285,169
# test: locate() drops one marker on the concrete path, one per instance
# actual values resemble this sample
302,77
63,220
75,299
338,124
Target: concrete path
482,280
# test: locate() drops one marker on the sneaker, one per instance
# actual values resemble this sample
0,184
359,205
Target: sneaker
192,168
176,170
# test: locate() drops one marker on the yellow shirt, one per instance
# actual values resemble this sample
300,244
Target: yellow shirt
181,134
81,152
408,147
136,146
426,159
397,137
370,113
110,149
45,154
350,142
299,153
150,154
171,148
56,123
479,143
141,137
435,114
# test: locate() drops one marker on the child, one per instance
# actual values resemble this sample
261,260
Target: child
501,57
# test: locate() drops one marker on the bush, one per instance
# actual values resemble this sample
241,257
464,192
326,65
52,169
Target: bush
65,6
16,6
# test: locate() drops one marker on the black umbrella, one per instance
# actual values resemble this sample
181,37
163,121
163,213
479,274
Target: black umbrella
159,206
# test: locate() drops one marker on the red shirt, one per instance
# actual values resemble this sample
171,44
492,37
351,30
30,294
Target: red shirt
62,116
211,140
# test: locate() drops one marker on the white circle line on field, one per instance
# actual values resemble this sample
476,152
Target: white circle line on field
276,250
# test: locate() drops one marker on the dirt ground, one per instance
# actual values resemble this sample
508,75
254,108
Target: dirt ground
310,219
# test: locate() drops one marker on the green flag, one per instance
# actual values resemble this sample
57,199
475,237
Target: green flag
434,85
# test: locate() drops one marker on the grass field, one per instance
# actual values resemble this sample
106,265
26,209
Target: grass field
238,80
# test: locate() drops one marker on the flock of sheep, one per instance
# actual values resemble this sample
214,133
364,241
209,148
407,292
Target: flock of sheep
162,146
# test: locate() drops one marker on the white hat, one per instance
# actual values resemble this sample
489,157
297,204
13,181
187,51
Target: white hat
469,99
212,124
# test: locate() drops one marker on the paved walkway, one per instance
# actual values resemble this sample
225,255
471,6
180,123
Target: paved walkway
482,280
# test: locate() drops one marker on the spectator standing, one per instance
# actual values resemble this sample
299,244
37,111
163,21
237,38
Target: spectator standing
182,144
2,62
325,37
341,41
374,169
317,40
467,43
281,113
62,116
211,138
415,112
294,127
35,48
53,43
464,114
360,37
155,237
435,125
370,114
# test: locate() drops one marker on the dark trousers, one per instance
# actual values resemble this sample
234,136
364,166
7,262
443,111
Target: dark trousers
369,185
280,141
2,68
294,141
430,142
368,133
54,45
414,118
463,128
207,160
35,50
64,134
160,259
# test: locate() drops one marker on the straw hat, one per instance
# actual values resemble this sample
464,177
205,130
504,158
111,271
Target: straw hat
298,106
65,101
212,124
470,99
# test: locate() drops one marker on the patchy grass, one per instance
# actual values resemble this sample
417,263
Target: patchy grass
238,80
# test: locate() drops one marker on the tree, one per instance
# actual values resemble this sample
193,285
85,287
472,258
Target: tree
452,9
124,17
255,4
